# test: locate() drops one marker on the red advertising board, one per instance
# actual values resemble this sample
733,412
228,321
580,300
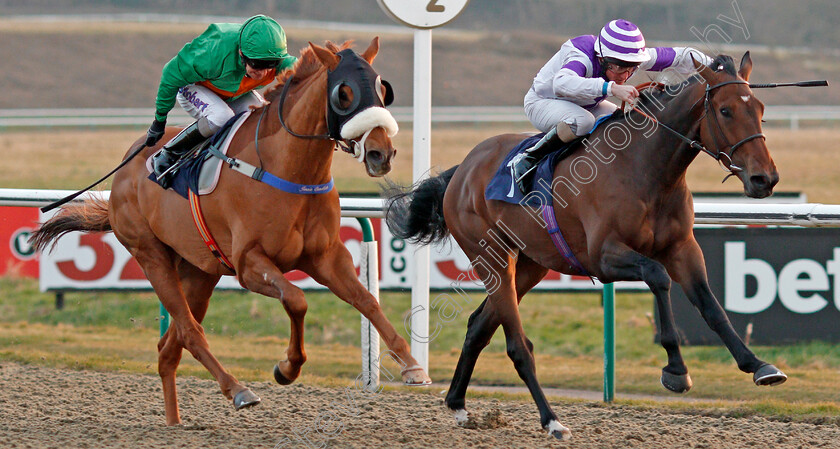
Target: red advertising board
16,256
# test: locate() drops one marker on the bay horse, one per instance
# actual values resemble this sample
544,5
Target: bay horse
628,218
265,232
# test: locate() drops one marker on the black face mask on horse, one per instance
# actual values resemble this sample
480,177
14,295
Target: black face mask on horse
365,96
356,102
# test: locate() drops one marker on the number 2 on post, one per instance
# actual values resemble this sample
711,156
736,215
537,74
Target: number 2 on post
434,7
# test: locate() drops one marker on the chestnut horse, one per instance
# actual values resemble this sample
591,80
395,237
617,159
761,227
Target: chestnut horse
265,232
631,220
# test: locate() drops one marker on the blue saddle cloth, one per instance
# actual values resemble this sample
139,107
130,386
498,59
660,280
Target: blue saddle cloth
186,176
503,188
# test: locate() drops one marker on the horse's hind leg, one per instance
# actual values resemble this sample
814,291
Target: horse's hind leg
197,286
620,262
260,275
334,269
169,357
502,302
480,329
158,264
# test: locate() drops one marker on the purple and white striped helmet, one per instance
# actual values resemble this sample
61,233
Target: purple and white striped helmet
622,40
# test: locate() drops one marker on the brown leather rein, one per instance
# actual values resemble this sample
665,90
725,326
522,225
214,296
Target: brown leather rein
725,159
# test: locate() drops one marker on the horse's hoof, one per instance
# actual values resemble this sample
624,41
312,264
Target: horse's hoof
244,399
280,378
461,417
558,431
676,383
415,376
768,374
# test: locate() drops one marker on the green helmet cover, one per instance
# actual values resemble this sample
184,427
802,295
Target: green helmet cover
261,37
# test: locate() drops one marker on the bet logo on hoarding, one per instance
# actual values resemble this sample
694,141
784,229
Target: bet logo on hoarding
20,246
798,284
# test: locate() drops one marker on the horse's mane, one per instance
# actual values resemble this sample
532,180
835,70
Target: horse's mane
306,66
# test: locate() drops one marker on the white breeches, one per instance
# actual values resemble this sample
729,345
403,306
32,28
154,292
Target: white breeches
201,102
545,113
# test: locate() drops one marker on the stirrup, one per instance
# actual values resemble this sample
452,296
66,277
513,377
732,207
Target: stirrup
180,160
527,172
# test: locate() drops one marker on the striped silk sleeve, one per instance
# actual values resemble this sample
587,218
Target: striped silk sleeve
677,59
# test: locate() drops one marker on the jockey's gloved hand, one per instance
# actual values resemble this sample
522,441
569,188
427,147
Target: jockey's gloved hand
155,132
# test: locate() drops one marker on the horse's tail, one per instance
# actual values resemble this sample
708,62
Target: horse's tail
415,213
90,215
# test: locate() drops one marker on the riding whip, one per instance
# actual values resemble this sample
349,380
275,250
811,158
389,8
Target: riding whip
815,83
72,196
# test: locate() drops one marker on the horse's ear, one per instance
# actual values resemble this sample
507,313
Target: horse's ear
705,71
746,67
328,58
372,50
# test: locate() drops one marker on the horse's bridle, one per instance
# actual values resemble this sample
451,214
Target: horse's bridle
724,158
352,71
707,112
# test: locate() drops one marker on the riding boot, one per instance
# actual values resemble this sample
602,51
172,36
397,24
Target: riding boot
188,138
523,169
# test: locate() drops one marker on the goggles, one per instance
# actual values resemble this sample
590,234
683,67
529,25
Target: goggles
620,67
621,70
261,64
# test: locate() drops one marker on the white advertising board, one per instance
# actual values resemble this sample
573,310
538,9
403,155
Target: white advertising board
99,262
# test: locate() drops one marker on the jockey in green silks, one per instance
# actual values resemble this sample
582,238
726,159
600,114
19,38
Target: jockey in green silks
213,78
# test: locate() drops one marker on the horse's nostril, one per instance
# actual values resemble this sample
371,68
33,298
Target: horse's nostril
374,157
760,181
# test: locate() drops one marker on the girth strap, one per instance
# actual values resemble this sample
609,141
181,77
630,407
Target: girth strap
204,232
263,176
560,242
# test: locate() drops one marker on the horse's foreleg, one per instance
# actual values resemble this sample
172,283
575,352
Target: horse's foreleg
621,263
334,269
261,275
480,329
687,266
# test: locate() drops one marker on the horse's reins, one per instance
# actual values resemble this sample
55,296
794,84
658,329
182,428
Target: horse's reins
283,94
338,142
720,155
729,166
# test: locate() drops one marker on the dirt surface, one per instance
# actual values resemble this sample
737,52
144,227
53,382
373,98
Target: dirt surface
46,407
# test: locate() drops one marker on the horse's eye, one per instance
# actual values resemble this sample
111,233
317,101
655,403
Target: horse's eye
345,96
725,112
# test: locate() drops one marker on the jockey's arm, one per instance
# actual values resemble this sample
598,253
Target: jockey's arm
176,74
568,84
677,59
571,81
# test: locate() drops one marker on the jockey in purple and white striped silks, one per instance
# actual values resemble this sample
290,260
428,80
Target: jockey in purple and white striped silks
572,86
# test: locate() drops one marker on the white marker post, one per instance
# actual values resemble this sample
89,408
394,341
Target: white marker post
423,15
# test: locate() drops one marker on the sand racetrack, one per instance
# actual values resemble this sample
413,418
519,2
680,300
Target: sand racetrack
61,408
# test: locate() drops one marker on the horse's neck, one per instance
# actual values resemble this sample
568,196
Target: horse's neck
671,155
301,160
